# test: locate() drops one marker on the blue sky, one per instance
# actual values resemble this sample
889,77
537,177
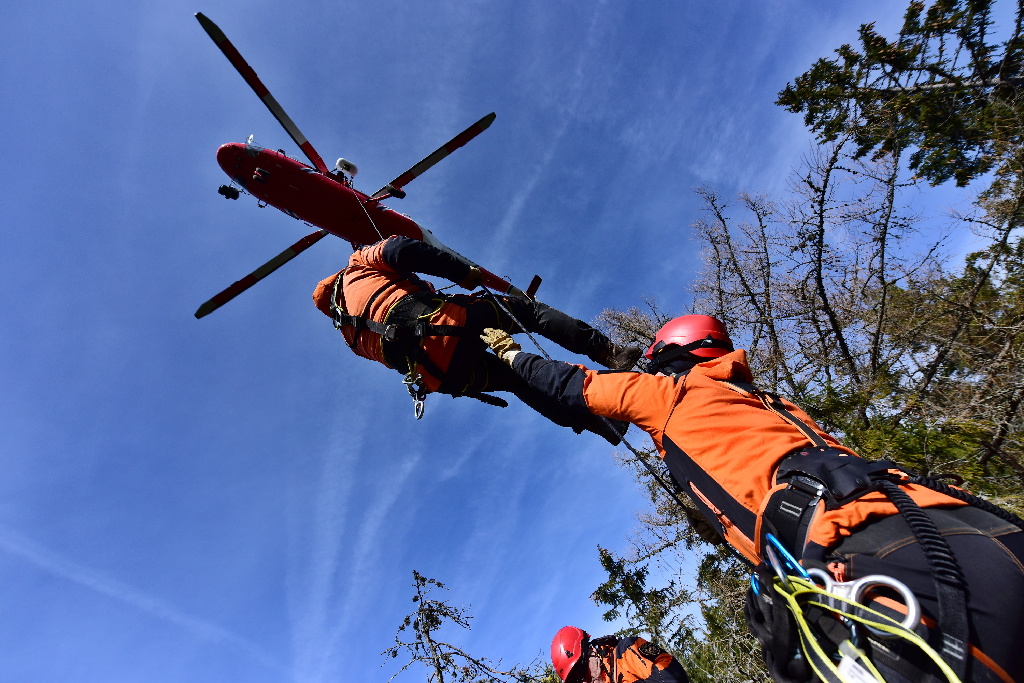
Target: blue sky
241,498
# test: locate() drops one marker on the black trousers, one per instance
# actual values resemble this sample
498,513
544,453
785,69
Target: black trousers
474,369
990,552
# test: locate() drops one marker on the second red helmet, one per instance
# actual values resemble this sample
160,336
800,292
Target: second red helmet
567,649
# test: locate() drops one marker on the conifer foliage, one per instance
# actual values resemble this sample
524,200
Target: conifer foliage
419,638
944,88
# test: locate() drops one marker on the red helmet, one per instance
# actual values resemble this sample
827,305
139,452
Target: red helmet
567,649
693,331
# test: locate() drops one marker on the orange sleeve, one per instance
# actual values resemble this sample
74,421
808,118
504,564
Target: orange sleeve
645,400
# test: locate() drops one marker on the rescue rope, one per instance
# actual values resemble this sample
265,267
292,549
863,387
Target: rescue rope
800,593
363,207
522,328
805,593
672,491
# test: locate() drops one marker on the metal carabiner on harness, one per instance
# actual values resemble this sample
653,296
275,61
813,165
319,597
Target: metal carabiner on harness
414,385
855,591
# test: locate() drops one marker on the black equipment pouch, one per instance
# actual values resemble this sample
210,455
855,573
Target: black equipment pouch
774,627
844,477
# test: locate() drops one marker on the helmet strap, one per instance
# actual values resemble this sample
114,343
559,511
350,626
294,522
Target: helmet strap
666,354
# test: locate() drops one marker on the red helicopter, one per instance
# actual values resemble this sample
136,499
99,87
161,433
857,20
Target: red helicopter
320,197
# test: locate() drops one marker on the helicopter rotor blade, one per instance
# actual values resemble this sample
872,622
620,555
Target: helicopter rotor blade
436,156
266,269
261,90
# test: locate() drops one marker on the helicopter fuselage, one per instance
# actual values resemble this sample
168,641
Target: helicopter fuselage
305,193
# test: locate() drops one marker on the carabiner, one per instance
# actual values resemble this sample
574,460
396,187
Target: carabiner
414,385
854,591
788,563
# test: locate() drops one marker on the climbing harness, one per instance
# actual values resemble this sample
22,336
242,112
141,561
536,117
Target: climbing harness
409,332
816,605
415,311
822,477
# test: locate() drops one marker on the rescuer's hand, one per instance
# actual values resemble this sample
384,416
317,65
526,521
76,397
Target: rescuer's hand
472,279
502,343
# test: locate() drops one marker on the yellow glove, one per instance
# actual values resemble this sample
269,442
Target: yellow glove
502,343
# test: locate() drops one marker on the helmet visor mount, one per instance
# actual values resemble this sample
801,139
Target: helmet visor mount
666,354
581,672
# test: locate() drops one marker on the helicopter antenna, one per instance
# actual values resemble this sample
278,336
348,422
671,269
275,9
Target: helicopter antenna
261,91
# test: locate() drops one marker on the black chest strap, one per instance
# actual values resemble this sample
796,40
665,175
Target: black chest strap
403,329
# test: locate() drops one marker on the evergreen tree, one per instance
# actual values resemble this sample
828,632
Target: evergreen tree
942,88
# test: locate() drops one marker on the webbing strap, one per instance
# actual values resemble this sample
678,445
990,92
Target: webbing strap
773,402
392,331
342,317
791,510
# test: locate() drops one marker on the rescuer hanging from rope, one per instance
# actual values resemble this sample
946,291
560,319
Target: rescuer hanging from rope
759,468
388,314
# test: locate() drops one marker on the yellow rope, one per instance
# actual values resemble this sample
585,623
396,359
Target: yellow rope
804,591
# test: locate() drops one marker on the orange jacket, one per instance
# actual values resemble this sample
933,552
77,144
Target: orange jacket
371,285
724,447
634,660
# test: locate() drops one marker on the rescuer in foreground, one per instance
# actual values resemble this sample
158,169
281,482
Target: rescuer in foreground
386,313
763,473
579,659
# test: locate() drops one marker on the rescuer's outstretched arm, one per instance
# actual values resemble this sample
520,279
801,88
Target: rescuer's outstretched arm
561,382
644,400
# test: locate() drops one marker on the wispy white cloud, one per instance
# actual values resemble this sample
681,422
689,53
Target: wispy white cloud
363,576
573,96
334,570
59,566
313,562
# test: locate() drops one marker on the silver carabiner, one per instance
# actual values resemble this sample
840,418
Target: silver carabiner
414,385
855,590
